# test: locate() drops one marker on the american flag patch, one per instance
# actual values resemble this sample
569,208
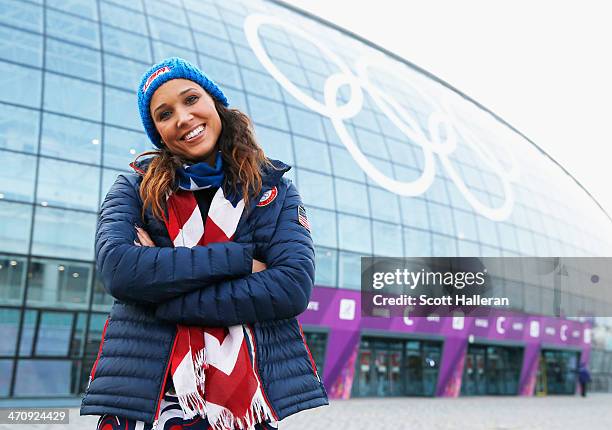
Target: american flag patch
302,217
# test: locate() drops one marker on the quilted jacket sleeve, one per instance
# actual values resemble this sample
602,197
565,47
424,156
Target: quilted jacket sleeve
281,291
150,275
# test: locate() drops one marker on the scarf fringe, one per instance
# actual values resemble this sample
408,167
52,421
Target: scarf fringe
192,404
257,413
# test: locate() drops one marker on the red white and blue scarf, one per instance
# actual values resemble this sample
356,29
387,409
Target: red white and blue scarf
214,369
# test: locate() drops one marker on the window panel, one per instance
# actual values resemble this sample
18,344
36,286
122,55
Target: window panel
73,97
6,369
163,30
123,18
198,7
351,197
121,108
12,279
261,84
64,233
414,212
166,11
306,123
27,332
355,234
101,301
19,46
54,334
268,112
237,99
245,57
213,47
73,29
443,246
19,128
312,154
136,5
161,51
417,243
350,271
323,226
315,189
236,34
71,138
9,324
122,146
126,44
84,8
384,205
15,222
207,25
387,239
344,165
371,143
60,284
17,176
66,184
441,219
21,14
276,144
44,378
222,72
121,72
108,179
73,60
326,263
20,85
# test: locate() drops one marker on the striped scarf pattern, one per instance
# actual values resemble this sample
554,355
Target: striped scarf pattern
214,369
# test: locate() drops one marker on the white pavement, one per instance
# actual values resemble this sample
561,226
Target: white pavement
473,413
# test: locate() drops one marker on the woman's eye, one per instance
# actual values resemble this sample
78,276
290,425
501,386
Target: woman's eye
191,99
164,115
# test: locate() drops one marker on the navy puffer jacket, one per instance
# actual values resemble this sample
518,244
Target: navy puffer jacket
157,287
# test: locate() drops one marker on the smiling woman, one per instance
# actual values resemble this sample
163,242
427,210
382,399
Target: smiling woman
208,253
186,119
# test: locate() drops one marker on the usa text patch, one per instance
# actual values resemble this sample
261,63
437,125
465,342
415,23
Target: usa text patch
302,217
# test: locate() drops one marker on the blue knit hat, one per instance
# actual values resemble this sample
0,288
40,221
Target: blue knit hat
160,73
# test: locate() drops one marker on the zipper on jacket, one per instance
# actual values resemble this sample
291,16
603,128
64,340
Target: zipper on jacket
93,368
163,387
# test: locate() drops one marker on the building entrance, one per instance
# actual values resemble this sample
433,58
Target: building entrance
557,372
491,369
396,367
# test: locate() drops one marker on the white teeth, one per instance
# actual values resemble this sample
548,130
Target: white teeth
194,133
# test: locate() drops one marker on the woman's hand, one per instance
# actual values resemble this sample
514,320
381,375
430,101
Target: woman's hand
258,266
143,238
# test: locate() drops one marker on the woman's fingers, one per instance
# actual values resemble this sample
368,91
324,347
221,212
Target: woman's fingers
258,266
144,238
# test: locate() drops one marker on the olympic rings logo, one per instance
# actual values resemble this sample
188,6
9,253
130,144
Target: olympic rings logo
431,141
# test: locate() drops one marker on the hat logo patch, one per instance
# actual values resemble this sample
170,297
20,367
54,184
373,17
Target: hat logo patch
154,76
268,197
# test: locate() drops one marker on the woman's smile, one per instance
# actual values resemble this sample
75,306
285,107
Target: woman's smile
194,134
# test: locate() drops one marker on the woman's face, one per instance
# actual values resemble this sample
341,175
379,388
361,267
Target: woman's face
186,119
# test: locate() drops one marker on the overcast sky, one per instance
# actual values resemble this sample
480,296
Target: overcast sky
543,66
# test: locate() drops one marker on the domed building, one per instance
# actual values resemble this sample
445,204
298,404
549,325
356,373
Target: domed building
389,159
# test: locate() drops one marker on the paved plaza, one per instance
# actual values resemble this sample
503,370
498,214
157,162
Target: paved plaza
473,413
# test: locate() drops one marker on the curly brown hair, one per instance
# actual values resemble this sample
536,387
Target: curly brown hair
242,156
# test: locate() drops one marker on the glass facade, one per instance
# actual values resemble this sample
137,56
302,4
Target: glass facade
388,159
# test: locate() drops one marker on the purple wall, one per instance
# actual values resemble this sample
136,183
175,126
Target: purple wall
339,311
